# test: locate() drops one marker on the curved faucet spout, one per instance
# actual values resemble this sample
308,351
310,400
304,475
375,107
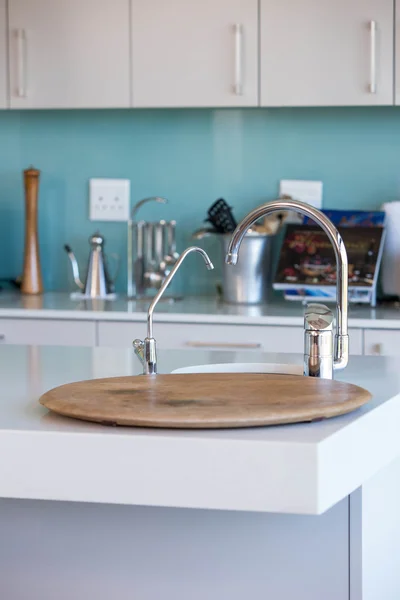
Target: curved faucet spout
168,280
341,338
146,349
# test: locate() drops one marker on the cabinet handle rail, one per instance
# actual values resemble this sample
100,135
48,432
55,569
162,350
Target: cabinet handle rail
372,81
20,62
238,81
223,345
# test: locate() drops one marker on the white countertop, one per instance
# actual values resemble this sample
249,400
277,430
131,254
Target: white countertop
190,310
301,469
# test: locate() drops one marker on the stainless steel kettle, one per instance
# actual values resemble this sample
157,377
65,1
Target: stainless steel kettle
98,283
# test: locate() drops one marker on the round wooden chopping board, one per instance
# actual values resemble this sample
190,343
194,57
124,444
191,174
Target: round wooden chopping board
205,401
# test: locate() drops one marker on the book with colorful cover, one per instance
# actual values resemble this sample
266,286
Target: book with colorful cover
352,218
307,265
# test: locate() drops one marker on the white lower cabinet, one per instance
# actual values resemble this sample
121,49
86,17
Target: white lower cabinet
3,55
381,342
182,336
47,332
220,337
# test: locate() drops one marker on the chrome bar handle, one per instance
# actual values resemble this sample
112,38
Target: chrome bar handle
372,81
21,62
238,81
222,345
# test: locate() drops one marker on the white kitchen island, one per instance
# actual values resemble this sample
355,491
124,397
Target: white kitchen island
290,512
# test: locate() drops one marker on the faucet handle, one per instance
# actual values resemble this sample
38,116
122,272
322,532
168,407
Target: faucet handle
318,317
138,346
146,352
318,341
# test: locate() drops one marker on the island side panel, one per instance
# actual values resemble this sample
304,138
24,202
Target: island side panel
74,550
375,537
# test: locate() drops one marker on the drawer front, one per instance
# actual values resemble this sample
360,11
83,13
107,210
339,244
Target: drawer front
46,332
381,342
233,337
219,337
266,338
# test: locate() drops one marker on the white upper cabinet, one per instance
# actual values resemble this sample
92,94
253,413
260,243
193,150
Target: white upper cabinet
69,53
194,53
326,52
3,55
397,55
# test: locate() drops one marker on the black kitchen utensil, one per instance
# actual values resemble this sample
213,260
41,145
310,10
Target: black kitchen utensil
220,216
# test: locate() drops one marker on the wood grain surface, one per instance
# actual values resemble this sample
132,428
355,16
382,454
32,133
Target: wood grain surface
32,275
205,401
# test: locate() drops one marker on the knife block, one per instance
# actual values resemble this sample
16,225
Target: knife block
32,275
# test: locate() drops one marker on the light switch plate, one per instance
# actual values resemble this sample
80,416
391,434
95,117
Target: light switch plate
109,199
305,191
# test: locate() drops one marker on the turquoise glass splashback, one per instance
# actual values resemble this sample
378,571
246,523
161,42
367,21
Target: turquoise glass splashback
190,156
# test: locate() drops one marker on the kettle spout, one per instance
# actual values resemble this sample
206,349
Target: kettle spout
75,268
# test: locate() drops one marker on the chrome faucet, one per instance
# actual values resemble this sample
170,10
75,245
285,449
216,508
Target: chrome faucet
146,350
320,360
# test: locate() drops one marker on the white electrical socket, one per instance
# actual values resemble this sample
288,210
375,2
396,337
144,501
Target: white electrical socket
109,199
305,191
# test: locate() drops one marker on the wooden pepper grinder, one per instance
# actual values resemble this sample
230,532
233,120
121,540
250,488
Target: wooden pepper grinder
31,276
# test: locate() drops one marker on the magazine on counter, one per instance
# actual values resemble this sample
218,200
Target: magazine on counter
352,218
307,265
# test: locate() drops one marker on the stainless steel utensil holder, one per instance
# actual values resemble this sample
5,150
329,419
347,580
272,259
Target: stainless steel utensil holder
151,256
250,282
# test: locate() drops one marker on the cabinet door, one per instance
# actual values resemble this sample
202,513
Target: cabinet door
69,53
3,55
397,52
326,53
46,332
201,53
381,342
